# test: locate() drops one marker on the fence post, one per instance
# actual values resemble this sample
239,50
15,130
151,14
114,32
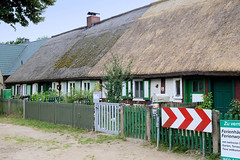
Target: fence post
149,122
9,106
24,108
215,133
122,119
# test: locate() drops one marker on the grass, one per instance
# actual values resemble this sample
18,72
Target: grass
213,156
101,138
92,157
180,149
44,126
20,140
50,144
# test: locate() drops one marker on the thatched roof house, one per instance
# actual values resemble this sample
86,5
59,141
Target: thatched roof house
72,54
180,48
182,37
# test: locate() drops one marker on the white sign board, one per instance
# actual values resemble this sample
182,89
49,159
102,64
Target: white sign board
230,139
197,98
97,95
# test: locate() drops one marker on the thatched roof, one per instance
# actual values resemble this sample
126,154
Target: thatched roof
72,54
182,37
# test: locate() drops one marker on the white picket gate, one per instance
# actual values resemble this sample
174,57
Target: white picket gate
107,117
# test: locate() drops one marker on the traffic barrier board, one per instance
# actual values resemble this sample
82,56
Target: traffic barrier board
187,118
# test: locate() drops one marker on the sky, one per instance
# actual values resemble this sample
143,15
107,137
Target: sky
66,15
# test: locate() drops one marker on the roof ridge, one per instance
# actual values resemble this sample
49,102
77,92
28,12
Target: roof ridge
157,2
85,27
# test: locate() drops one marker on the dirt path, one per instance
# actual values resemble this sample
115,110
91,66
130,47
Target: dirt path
24,143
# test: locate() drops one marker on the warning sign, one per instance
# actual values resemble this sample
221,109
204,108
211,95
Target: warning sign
230,139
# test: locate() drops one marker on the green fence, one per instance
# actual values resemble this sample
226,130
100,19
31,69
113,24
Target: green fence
16,106
229,117
76,115
3,106
135,122
181,105
187,138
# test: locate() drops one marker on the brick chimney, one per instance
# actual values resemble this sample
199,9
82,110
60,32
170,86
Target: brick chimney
26,40
92,19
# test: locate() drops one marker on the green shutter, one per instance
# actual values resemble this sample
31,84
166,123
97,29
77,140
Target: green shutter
146,89
28,89
129,89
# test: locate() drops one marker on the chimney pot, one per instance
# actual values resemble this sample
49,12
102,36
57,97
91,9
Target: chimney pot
92,19
26,40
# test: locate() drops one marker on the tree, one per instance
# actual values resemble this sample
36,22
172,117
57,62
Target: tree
23,11
41,38
18,41
115,74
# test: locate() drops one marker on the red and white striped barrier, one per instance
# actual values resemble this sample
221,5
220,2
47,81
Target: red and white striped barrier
187,118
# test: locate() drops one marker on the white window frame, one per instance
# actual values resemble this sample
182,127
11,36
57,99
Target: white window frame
124,89
69,86
24,89
133,90
42,89
175,88
54,85
34,88
83,86
16,89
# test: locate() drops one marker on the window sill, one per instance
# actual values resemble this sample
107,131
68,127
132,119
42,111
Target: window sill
178,98
138,99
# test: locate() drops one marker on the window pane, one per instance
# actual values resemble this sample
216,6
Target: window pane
136,89
200,84
88,87
178,88
195,86
141,89
85,86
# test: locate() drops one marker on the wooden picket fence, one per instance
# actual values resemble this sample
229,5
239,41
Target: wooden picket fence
186,138
135,122
229,117
135,125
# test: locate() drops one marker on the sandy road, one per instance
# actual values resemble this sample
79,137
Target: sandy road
24,143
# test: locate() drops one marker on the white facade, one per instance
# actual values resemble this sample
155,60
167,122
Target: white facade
155,87
170,89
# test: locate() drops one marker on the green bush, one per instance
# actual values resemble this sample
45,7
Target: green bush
44,97
207,102
235,110
79,96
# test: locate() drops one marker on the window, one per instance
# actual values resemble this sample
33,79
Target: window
17,89
138,89
141,89
24,89
34,88
197,86
86,86
124,89
177,88
54,85
127,89
71,87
